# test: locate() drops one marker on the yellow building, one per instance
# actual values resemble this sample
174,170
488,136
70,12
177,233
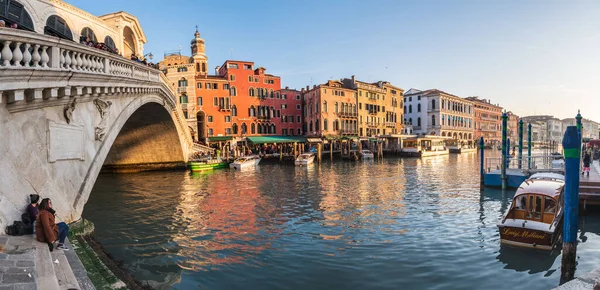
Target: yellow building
380,107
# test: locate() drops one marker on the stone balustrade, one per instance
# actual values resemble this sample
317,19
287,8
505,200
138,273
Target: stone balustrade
35,66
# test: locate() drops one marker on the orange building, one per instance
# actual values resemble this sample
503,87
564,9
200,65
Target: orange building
488,120
237,101
330,110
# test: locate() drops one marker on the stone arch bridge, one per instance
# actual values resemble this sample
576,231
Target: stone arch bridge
67,111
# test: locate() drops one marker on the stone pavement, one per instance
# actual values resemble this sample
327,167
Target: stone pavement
28,264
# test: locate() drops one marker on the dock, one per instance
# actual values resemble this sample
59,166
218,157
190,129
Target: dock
589,186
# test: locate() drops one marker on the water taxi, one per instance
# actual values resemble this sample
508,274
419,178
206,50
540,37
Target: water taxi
207,164
534,219
456,146
305,159
245,162
367,154
424,146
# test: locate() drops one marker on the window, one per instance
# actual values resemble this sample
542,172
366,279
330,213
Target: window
183,99
228,131
410,121
433,104
419,107
251,111
210,119
232,65
432,120
215,101
215,86
419,97
256,80
199,101
271,94
284,132
248,66
226,86
252,129
297,107
181,69
234,111
55,26
210,132
234,128
250,79
277,95
284,106
244,128
409,108
325,125
199,85
87,32
232,77
298,119
233,92
299,131
182,83
419,122
297,97
335,107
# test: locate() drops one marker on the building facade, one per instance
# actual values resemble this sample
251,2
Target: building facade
238,100
488,120
330,110
591,129
513,127
434,112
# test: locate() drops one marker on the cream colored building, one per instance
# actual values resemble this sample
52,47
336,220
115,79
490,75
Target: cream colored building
330,110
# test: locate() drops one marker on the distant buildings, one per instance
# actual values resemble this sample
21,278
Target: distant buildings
590,129
488,120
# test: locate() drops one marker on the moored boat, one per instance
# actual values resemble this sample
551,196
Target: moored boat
534,219
245,162
305,159
367,154
203,165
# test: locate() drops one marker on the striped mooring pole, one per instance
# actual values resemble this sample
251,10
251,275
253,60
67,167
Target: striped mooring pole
572,151
503,162
520,144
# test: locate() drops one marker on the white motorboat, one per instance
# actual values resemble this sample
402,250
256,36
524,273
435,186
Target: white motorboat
367,154
305,159
245,162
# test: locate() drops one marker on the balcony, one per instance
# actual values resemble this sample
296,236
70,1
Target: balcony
182,90
347,114
347,131
431,110
390,125
224,108
372,112
263,118
372,124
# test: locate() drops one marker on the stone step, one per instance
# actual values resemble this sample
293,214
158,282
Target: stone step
62,269
46,277
589,189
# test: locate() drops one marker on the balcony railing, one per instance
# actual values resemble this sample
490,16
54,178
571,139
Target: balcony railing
436,109
181,90
347,131
390,125
372,112
347,114
224,108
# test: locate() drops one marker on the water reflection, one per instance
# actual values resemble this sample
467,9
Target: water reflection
391,224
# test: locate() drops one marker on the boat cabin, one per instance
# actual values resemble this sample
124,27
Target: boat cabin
537,200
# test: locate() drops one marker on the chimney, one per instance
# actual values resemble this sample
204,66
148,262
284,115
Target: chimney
217,70
353,78
286,87
307,88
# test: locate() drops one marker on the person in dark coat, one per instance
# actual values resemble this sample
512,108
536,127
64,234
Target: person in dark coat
587,159
47,231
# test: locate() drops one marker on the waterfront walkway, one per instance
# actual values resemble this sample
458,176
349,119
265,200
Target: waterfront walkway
28,264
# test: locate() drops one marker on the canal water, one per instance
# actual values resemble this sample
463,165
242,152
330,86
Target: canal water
396,224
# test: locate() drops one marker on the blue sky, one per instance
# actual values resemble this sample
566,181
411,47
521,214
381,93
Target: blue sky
532,57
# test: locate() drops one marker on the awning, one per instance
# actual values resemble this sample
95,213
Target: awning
314,140
219,138
276,139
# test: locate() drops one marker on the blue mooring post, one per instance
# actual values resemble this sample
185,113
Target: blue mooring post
529,146
503,161
520,144
481,162
572,146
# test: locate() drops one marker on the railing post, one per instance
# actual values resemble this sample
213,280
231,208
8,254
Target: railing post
529,146
520,144
55,57
481,162
107,66
572,146
503,162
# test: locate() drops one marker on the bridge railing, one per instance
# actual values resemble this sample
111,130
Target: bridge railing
21,49
532,163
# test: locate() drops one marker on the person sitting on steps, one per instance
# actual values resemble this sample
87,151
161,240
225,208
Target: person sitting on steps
32,208
46,230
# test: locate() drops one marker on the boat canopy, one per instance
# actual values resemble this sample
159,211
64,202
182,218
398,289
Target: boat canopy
276,139
548,175
550,188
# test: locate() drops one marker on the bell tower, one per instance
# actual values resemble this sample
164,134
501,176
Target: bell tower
198,55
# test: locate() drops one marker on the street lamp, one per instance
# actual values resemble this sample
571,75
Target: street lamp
149,55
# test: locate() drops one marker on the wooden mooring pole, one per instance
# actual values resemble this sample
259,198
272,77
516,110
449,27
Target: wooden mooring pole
319,152
572,145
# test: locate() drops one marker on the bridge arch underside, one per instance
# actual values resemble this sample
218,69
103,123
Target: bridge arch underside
147,141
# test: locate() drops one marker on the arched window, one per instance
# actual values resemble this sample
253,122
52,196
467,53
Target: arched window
108,41
419,107
182,82
271,94
310,127
13,12
87,32
203,67
252,112
58,27
234,128
234,111
197,67
277,95
272,131
433,104
233,92
183,99
251,92
259,128
410,109
253,128
244,128
336,107
419,122
325,106
432,120
410,121
404,108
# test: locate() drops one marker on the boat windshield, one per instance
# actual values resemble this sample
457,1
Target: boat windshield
242,160
535,207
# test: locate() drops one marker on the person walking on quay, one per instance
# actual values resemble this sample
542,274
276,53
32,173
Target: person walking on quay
47,231
587,159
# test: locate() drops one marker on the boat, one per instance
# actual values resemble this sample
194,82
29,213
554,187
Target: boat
424,146
245,162
367,154
535,217
207,164
305,159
